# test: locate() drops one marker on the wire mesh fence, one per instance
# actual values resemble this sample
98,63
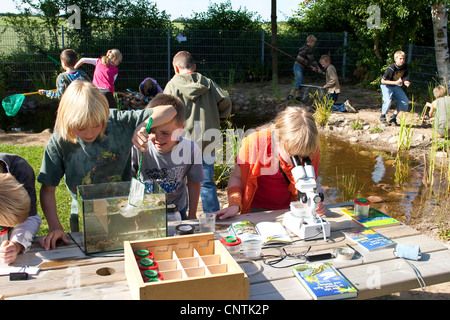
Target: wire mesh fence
27,54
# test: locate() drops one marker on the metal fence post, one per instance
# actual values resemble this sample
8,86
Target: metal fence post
410,51
62,37
344,55
168,54
263,35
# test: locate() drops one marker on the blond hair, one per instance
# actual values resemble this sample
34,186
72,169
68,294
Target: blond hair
14,201
82,105
398,54
311,38
297,131
183,60
325,58
113,53
439,91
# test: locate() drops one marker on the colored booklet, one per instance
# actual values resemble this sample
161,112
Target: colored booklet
271,232
324,282
369,239
376,218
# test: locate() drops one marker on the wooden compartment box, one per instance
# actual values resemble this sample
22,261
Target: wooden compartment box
194,267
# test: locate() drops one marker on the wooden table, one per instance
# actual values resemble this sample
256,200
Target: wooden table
67,273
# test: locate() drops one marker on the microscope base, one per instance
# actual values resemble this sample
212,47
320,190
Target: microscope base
306,230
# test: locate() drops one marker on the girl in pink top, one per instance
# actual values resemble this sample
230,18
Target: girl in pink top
105,73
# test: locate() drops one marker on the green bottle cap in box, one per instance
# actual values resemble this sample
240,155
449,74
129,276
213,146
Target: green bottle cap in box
142,253
146,262
150,274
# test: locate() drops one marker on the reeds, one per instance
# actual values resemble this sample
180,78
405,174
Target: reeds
348,185
323,108
405,132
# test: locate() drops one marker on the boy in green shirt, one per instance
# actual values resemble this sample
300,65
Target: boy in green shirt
90,145
206,104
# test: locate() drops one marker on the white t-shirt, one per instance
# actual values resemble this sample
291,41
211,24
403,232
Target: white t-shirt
170,169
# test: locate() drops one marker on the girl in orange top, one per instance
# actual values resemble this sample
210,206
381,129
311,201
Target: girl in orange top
262,178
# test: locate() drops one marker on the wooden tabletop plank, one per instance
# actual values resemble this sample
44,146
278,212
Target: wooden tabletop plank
118,290
63,279
382,278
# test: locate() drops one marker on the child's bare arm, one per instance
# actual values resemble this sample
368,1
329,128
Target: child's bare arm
56,231
194,195
235,182
392,82
160,115
82,61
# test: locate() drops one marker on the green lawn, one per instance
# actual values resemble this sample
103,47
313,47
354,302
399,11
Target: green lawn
63,199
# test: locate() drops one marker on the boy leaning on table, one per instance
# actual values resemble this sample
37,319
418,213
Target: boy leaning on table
17,207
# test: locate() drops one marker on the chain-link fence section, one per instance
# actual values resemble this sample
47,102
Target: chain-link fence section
27,55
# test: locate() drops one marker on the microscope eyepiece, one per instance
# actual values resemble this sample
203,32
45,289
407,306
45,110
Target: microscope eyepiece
296,161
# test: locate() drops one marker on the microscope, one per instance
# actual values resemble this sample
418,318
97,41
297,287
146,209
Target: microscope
302,219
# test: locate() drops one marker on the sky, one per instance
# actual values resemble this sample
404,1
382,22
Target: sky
178,8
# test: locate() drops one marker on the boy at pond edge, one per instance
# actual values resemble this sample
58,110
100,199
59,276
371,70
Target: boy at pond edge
68,60
391,88
440,110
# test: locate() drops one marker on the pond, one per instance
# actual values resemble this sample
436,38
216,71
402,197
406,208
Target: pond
350,169
354,170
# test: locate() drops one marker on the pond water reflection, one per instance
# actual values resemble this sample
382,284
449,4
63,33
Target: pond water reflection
395,188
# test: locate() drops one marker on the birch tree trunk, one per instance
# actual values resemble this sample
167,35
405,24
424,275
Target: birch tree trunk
440,20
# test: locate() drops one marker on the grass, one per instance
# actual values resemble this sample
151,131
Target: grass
323,108
357,124
405,133
348,185
34,155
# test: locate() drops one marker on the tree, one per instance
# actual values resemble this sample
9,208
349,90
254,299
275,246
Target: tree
401,22
139,14
221,16
440,21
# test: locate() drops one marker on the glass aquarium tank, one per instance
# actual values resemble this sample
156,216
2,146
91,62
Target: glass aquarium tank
107,219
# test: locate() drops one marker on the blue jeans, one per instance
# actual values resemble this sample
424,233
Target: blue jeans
393,93
183,213
336,107
298,73
208,191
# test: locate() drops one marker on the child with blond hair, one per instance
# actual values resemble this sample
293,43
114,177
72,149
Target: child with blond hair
105,73
333,87
262,178
18,211
391,88
91,144
173,161
440,110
